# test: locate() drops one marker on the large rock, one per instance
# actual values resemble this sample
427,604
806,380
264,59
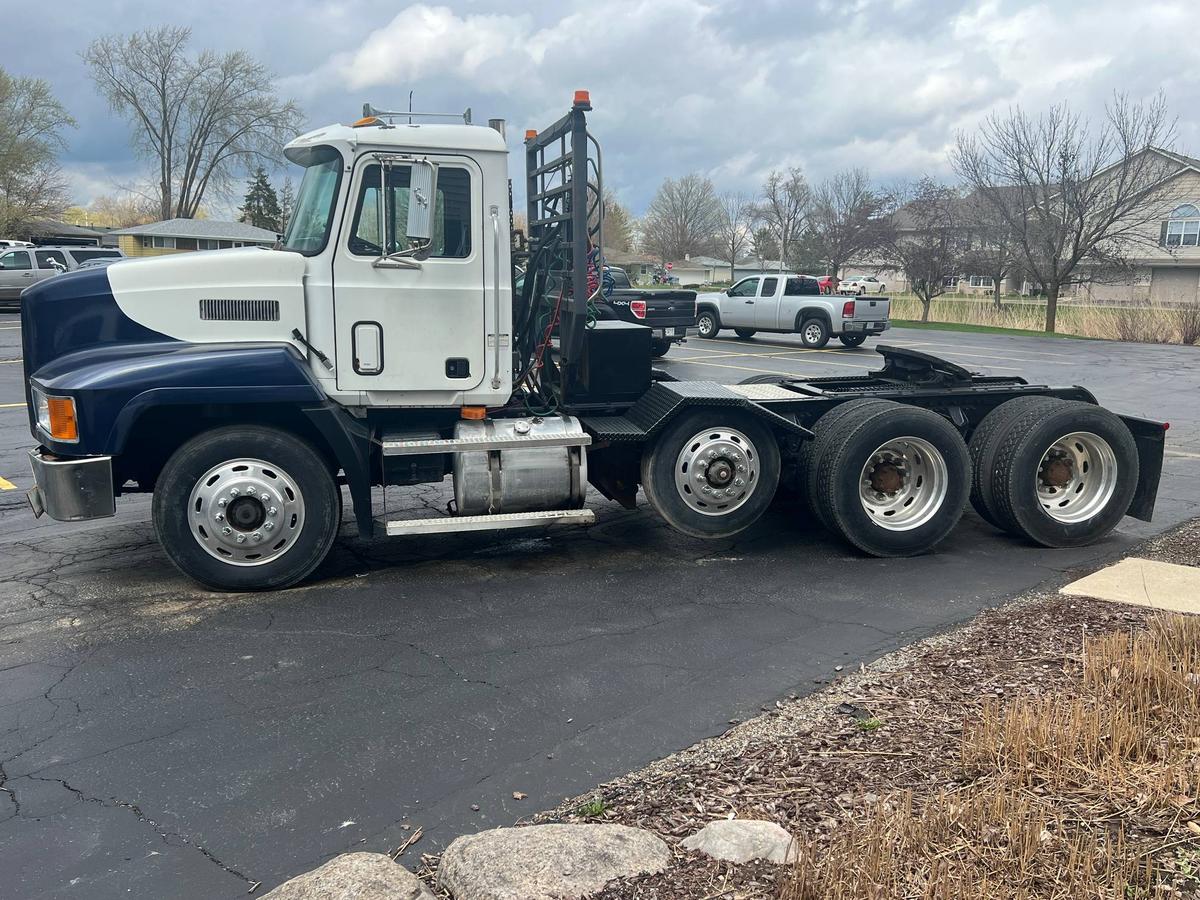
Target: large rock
354,876
547,862
741,840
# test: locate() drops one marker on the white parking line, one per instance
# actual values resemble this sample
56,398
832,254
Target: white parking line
977,347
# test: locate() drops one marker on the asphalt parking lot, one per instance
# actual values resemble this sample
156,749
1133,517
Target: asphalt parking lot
160,740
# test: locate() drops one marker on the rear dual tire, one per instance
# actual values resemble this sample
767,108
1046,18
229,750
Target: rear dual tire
1060,473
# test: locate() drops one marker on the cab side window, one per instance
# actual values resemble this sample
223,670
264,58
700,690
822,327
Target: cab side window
745,288
452,215
768,287
801,287
16,259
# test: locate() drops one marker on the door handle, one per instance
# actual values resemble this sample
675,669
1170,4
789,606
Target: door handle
27,275
751,302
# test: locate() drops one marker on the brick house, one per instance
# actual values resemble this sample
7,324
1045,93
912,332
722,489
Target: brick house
183,235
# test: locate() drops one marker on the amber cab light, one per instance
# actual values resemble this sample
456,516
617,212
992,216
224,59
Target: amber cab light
848,309
63,425
530,134
476,413
638,308
583,98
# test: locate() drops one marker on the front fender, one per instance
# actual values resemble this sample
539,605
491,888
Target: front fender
115,384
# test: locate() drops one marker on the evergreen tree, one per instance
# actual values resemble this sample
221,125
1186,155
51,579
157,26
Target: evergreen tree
287,203
261,206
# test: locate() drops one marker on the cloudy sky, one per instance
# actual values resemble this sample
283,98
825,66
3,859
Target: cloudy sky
731,88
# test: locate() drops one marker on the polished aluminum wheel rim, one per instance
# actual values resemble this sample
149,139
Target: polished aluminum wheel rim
246,512
812,333
903,483
1077,477
717,471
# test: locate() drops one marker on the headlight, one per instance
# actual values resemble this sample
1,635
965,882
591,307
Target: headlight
56,416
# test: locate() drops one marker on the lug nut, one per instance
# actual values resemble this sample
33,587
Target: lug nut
271,510
267,526
241,539
264,497
257,535
222,503
220,517
226,530
233,492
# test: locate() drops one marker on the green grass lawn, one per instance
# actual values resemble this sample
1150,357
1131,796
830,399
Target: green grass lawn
982,329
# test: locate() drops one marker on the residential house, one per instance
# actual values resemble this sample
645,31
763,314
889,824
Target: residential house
182,235
754,266
698,270
53,233
638,266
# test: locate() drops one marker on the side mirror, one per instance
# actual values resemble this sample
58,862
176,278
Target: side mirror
422,194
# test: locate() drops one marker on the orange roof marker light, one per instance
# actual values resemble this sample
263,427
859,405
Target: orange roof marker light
584,99
530,134
366,120
475,413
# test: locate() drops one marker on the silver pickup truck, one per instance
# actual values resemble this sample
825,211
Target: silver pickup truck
791,304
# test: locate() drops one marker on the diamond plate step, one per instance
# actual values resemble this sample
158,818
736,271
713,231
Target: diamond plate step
448,524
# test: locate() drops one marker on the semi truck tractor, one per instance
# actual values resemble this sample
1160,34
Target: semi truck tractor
384,343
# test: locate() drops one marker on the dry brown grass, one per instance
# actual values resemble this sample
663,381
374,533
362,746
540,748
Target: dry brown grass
1153,323
1088,794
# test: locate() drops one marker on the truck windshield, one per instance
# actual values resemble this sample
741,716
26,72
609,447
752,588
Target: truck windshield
308,231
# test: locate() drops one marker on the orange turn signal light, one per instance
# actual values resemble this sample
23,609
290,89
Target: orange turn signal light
476,413
366,120
63,425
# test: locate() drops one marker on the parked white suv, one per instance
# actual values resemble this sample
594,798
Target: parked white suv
790,304
22,266
861,284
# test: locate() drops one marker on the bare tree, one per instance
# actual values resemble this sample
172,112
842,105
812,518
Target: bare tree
618,224
202,120
1076,199
682,218
121,210
733,230
843,220
784,206
31,124
991,250
926,238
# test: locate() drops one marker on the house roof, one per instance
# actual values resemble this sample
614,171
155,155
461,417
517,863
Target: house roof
203,229
49,227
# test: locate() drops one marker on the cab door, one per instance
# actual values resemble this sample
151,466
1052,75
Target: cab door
766,307
737,306
411,325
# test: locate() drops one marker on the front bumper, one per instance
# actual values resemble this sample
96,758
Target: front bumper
71,489
865,327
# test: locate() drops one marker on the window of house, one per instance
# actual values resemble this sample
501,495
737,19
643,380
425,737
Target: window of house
747,287
451,217
185,243
1182,229
982,281
46,259
950,281
207,244
158,242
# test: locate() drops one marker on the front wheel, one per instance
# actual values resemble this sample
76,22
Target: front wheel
712,473
246,508
852,340
659,347
707,325
814,333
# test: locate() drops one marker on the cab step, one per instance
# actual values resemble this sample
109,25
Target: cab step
412,447
497,522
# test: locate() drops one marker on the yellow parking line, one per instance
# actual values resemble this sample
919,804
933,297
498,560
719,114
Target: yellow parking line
977,347
6,485
12,405
8,362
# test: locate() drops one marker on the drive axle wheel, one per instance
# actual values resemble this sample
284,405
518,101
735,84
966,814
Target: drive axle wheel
246,508
814,333
891,479
1062,474
712,473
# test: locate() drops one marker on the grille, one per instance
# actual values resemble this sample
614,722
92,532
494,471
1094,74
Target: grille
239,310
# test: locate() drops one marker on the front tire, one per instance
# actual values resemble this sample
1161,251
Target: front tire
712,473
707,325
659,347
814,333
246,508
852,340
893,480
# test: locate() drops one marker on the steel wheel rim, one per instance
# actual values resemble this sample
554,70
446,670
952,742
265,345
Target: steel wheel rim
812,333
246,512
903,483
717,471
1076,477
706,324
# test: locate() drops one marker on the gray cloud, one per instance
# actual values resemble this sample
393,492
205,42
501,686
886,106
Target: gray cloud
729,88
